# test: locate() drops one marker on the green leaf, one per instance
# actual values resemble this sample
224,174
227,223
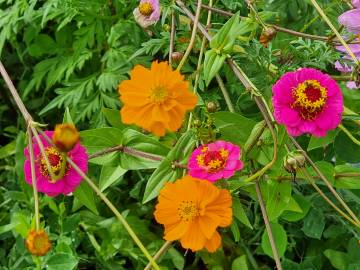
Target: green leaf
109,175
345,149
8,150
235,230
177,258
67,116
239,263
138,141
338,259
61,261
113,117
277,196
321,142
212,64
239,212
101,138
347,182
314,224
291,215
165,173
280,239
233,127
224,40
85,195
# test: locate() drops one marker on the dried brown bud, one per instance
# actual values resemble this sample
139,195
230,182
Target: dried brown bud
267,35
177,56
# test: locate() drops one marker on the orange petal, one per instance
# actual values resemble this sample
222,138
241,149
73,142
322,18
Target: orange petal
213,243
193,239
222,207
176,231
208,224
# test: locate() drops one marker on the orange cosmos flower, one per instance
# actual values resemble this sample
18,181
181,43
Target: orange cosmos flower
38,243
156,99
191,210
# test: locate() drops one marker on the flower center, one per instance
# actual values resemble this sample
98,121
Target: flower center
212,161
40,242
146,9
159,94
309,99
188,210
57,163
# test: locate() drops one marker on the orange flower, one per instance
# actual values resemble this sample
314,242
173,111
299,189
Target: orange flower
191,210
38,243
65,136
156,99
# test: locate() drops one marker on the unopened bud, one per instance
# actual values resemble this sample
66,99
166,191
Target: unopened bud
177,56
38,243
267,35
197,123
293,161
211,107
65,137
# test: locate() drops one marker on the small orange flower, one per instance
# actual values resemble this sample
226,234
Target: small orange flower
191,210
38,243
65,137
156,99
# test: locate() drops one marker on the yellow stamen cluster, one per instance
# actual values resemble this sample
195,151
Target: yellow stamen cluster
217,159
57,164
146,9
188,210
159,94
309,104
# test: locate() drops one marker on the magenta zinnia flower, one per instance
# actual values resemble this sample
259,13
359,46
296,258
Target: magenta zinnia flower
147,13
351,18
307,101
215,160
66,178
348,67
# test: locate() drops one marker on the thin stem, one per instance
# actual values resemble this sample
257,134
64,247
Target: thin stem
33,180
109,204
160,252
193,36
172,37
342,41
127,150
341,78
348,133
15,94
323,178
225,93
310,179
268,226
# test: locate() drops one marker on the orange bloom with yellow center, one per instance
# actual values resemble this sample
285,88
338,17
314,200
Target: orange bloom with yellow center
38,243
191,211
156,99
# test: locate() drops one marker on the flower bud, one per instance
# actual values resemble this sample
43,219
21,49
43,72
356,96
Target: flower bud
65,137
38,243
177,56
211,107
197,123
267,36
293,161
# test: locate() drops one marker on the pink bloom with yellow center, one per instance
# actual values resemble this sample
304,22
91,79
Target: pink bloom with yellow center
65,179
147,13
307,101
215,160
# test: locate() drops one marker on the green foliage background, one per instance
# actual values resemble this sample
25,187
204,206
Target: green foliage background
66,59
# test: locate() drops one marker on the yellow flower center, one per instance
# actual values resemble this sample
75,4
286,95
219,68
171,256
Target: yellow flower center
309,99
212,161
57,164
159,94
146,9
188,210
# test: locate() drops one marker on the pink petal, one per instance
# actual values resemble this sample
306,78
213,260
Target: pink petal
351,20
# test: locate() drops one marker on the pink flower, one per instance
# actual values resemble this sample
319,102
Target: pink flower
345,67
351,18
66,178
147,13
307,101
215,160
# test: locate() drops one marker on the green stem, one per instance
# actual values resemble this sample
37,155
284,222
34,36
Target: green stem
193,36
161,252
342,41
351,137
225,93
33,180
